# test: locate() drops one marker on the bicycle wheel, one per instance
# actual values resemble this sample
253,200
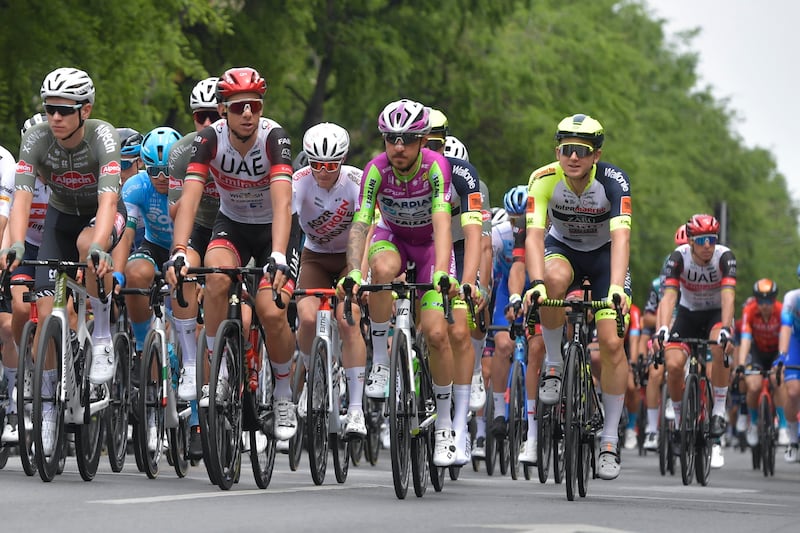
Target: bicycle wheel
573,420
426,410
47,461
117,418
517,417
373,414
356,451
25,371
544,446
702,464
664,450
688,429
150,412
339,444
225,404
641,425
558,412
766,436
203,358
178,439
490,442
419,463
296,443
263,443
317,411
400,408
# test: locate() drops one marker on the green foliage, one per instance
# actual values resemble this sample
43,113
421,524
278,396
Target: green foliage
504,71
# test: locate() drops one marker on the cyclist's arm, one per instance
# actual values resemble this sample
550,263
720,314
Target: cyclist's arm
784,337
534,253
281,192
20,212
187,210
728,296
442,240
104,222
119,255
620,255
666,307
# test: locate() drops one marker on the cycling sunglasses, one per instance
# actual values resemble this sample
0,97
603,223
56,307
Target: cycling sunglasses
211,115
434,143
581,150
702,240
239,106
63,110
405,138
156,170
330,166
127,163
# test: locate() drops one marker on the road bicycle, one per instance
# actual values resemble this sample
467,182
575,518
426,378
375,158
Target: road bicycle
666,426
73,404
764,451
241,375
326,388
373,409
297,442
583,417
640,376
410,401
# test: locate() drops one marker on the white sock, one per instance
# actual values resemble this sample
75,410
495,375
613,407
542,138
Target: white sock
480,427
552,342
11,380
791,427
532,429
443,395
355,387
461,403
720,396
499,399
186,329
612,405
477,346
676,407
652,420
380,343
283,385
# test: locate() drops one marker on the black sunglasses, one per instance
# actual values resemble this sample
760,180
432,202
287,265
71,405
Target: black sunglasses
434,144
63,110
154,171
210,115
405,138
581,150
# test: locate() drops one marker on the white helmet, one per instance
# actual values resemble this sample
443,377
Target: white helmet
455,148
499,216
38,118
204,94
70,83
405,116
326,142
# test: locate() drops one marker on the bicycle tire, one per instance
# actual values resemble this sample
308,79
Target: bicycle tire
399,414
317,412
517,416
374,419
426,407
688,429
262,461
339,443
572,392
490,442
664,449
117,418
544,446
641,426
49,339
702,463
25,371
356,451
586,459
297,442
419,463
150,393
178,439
558,415
766,436
203,359
225,413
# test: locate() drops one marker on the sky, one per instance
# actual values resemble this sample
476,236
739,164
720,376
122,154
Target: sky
747,54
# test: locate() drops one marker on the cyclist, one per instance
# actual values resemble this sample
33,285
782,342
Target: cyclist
249,158
632,398
789,349
467,197
589,206
130,142
411,184
9,349
325,197
703,275
203,103
145,197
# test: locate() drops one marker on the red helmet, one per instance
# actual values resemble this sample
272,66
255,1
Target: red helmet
702,225
680,235
240,80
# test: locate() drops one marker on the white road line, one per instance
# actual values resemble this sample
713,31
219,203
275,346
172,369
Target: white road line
228,494
607,496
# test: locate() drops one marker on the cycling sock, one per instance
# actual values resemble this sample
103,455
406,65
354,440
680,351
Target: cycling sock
49,384
477,345
210,340
612,405
480,427
753,417
355,387
283,385
632,417
552,342
532,429
443,394
460,407
194,419
781,417
499,399
792,427
676,408
186,329
140,330
652,420
720,396
380,344
102,315
11,380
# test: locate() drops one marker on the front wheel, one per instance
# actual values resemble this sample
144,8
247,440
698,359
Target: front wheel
400,408
48,409
544,447
572,429
517,417
317,411
702,464
117,418
25,371
767,436
688,429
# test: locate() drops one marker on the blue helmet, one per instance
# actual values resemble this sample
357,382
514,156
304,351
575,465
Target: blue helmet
130,142
156,146
516,200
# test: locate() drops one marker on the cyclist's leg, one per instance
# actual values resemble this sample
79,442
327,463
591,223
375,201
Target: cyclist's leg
791,380
558,275
535,360
463,366
720,377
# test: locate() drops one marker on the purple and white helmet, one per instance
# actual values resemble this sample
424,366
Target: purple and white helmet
405,116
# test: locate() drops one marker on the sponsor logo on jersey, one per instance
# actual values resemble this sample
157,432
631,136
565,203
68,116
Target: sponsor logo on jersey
73,180
113,168
475,201
625,205
617,176
530,207
24,167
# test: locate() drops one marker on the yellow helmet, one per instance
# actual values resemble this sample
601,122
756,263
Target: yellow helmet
583,127
439,123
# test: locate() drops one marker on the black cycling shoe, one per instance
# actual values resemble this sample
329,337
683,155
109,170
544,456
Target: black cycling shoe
195,444
499,427
718,425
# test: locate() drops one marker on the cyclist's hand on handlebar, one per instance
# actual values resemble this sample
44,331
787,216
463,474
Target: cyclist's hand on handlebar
281,272
355,276
537,289
662,335
725,336
616,290
17,250
781,360
475,293
104,264
178,256
438,276
514,307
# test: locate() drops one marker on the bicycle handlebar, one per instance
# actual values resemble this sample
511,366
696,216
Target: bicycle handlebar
577,305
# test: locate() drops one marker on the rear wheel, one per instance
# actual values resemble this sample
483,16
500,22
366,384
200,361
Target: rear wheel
664,450
374,418
203,359
225,404
399,411
688,429
702,464
490,442
340,445
262,438
25,371
317,412
117,418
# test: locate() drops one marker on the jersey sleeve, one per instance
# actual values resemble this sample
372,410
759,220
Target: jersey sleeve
440,179
672,270
368,195
176,164
540,190
204,147
466,182
618,189
279,150
132,195
727,266
106,145
7,170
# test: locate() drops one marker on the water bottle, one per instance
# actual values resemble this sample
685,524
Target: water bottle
174,365
415,366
